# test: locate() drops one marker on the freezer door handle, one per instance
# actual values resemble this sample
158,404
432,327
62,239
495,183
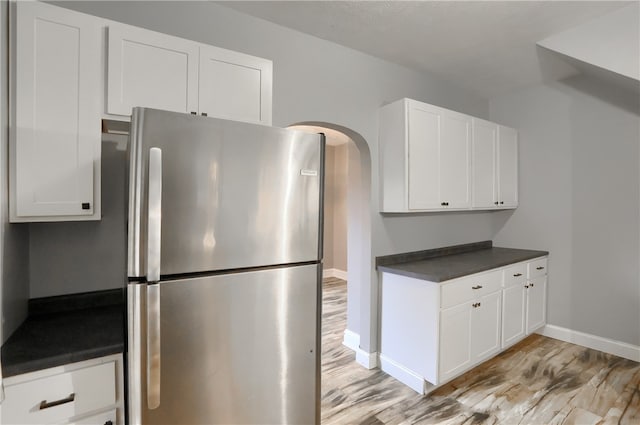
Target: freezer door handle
153,346
155,215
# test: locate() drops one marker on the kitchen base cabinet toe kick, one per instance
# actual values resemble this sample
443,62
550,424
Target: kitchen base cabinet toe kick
433,332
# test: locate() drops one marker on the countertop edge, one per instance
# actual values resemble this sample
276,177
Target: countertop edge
443,279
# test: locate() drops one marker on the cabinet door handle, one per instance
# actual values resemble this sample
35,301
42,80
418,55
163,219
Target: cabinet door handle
531,285
496,203
44,404
517,275
477,287
539,268
501,202
526,286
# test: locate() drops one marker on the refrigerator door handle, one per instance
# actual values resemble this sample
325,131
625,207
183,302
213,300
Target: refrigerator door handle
153,276
155,215
153,346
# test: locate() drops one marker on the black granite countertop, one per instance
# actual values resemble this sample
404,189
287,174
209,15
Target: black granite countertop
442,264
66,329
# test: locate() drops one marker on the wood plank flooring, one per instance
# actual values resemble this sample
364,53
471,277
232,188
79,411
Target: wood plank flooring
538,381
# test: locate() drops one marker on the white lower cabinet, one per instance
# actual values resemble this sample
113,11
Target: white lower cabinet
88,392
433,332
469,333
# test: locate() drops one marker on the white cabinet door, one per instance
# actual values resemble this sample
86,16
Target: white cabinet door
536,303
485,326
55,159
235,86
513,313
483,164
455,340
455,149
507,167
424,163
150,69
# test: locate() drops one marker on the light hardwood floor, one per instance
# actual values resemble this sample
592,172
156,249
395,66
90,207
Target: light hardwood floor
538,381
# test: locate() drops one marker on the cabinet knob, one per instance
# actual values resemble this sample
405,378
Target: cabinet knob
86,205
204,114
444,204
477,287
517,275
496,203
526,286
194,113
531,285
501,202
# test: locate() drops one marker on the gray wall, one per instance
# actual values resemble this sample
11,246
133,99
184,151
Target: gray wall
335,208
340,163
315,80
329,191
579,199
14,238
71,257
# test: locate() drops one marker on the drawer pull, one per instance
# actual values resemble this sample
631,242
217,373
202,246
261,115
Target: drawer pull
476,305
477,287
517,275
44,404
539,268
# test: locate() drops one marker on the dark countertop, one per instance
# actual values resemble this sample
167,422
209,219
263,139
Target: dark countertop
441,264
66,329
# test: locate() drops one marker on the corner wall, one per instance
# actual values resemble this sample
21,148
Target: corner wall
580,200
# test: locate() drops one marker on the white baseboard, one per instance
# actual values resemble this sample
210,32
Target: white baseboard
368,360
351,340
337,273
402,374
618,348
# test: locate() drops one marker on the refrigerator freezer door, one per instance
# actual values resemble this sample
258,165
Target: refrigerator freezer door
239,348
234,195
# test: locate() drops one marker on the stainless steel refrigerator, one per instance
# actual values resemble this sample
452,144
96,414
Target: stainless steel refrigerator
224,264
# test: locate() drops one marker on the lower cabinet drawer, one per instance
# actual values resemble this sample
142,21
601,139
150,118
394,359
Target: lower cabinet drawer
470,288
57,398
537,268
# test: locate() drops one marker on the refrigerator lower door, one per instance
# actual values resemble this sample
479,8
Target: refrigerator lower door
238,348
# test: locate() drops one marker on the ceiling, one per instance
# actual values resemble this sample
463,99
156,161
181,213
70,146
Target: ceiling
487,47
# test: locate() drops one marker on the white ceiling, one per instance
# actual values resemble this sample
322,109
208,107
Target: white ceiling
488,47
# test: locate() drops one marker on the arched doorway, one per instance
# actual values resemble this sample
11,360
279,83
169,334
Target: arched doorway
358,232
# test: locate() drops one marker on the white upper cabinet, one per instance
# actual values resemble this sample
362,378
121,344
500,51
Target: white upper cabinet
235,86
150,69
455,152
424,157
495,166
424,164
434,159
146,68
484,164
507,167
55,138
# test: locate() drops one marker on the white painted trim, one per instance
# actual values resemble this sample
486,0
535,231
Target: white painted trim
351,340
368,360
337,273
402,374
618,348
